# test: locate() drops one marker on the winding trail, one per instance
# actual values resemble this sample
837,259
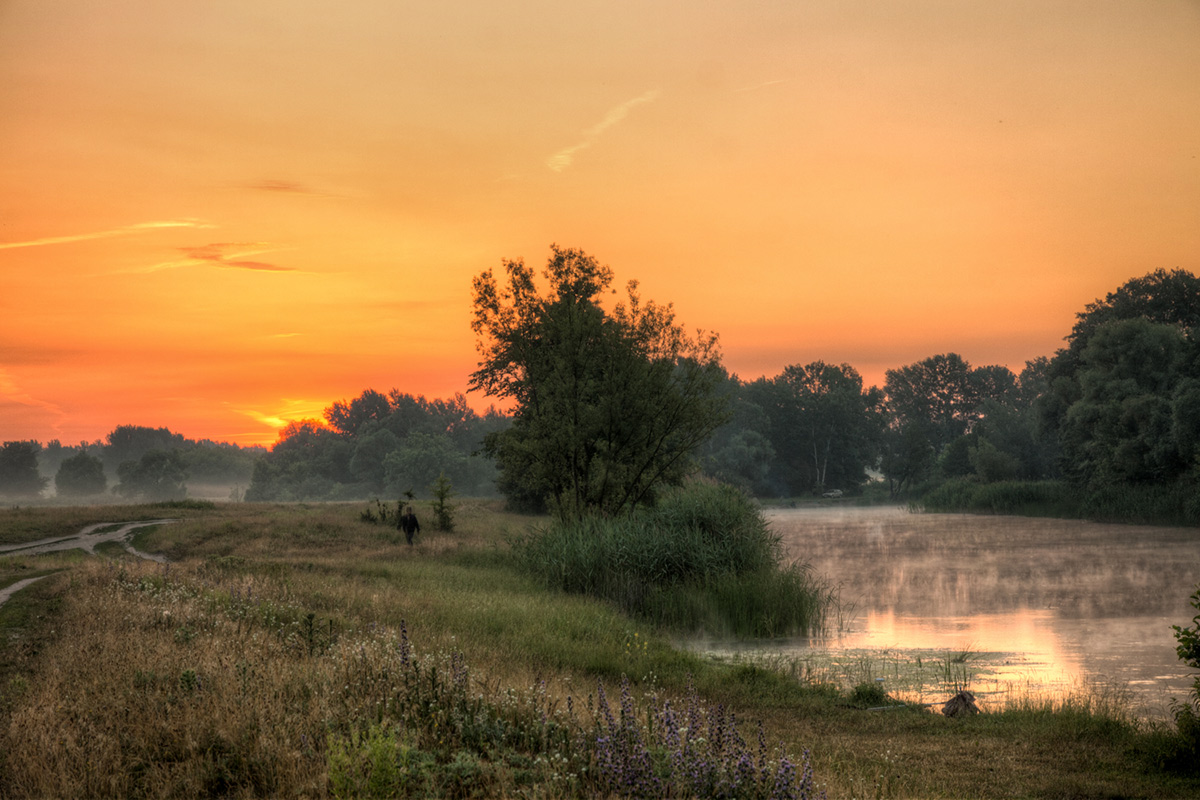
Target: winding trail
86,540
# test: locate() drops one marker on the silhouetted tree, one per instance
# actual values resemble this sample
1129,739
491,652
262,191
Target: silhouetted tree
157,475
131,442
609,406
80,475
825,426
19,476
1123,399
739,452
348,418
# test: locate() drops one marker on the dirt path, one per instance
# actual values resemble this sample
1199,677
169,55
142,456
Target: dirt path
89,537
86,540
9,591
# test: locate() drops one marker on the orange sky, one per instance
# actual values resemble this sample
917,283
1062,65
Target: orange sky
218,216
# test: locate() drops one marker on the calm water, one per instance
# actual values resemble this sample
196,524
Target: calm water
1009,604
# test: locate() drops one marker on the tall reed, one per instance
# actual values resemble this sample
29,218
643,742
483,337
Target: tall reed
702,559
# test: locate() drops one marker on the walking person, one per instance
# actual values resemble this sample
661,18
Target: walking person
408,523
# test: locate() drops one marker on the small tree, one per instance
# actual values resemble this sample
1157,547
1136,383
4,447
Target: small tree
19,475
80,475
443,510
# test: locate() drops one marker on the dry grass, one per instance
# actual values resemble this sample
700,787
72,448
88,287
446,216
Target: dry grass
181,704
209,678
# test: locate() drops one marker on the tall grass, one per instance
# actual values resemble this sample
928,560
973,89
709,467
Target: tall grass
239,693
702,559
215,682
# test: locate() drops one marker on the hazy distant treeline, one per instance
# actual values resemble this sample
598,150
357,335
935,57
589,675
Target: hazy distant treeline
380,445
132,461
1117,407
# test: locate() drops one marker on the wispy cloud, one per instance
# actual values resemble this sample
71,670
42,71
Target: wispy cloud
758,86
563,158
124,231
227,255
287,187
216,254
287,410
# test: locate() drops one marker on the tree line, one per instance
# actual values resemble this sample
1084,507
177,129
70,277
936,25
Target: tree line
380,445
610,405
1118,406
132,461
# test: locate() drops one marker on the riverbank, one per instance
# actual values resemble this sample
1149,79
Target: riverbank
1177,504
264,600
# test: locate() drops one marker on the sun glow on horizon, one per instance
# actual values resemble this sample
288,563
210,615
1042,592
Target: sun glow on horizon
210,209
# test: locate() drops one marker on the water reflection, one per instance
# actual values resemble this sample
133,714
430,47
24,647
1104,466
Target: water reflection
1039,604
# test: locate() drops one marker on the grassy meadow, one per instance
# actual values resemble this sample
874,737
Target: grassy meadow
298,651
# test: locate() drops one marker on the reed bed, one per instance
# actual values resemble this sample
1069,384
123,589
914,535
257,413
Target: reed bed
702,560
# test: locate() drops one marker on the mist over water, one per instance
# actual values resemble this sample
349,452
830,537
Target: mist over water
1042,605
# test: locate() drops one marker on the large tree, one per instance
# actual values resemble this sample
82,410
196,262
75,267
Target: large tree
825,427
1122,397
934,404
609,405
131,442
157,475
1133,401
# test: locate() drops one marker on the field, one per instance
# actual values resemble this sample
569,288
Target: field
296,650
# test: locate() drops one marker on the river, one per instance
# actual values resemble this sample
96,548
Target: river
1012,607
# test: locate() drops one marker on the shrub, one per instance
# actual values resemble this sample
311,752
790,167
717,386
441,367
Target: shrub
1187,711
443,509
702,558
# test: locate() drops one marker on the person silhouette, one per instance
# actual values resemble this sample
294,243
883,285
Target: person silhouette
408,523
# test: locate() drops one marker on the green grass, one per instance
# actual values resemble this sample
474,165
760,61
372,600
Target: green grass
238,634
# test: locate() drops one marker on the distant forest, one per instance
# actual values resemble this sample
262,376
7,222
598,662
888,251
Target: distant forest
1118,406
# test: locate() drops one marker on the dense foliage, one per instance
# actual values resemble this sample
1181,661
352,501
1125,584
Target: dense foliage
702,558
610,405
825,426
157,475
1124,395
1187,711
379,444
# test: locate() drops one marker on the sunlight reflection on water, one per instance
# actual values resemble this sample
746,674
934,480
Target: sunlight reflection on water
1033,607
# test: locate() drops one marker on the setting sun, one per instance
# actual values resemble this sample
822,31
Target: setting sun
223,217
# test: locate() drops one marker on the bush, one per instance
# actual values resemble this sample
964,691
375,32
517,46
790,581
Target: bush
702,558
1187,711
443,509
